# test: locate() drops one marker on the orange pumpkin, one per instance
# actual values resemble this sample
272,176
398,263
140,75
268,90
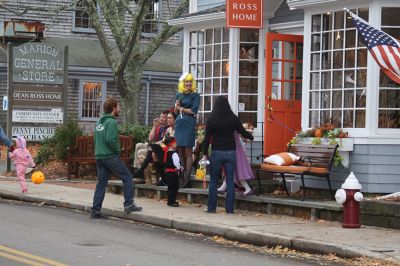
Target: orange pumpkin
319,133
38,177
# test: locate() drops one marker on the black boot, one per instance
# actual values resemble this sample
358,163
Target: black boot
140,172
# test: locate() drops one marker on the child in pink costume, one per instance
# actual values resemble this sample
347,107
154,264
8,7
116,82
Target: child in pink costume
243,170
22,160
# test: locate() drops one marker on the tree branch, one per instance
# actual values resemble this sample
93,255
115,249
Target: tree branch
166,33
25,9
92,12
114,14
134,34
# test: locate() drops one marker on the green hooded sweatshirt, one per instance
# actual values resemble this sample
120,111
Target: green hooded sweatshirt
106,142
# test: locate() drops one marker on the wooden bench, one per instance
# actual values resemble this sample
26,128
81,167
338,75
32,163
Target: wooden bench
315,160
83,152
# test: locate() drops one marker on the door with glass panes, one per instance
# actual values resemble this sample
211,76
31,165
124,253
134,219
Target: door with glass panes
283,82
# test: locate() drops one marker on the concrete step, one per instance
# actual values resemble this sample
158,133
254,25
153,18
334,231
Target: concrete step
308,209
372,212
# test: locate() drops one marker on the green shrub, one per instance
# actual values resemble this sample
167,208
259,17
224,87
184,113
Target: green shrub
46,151
56,146
140,133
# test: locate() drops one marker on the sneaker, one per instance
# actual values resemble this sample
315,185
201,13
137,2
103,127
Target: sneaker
25,190
175,204
98,215
160,183
247,193
207,211
132,208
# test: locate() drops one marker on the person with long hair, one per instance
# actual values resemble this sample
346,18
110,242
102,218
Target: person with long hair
187,102
220,126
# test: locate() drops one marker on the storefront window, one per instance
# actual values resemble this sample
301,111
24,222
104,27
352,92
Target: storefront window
338,71
248,76
389,95
209,63
92,98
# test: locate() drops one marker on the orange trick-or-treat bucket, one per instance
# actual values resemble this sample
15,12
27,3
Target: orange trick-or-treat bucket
38,177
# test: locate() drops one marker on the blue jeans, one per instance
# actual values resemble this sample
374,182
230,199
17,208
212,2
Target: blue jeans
227,159
3,138
104,168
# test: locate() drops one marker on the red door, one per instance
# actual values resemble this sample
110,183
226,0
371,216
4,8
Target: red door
283,81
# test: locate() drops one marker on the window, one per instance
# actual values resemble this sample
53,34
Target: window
209,63
81,19
338,71
389,94
248,76
150,24
93,93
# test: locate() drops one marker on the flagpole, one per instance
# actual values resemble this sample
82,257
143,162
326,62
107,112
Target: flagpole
354,15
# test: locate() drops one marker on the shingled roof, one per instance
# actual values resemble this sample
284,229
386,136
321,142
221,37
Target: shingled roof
89,53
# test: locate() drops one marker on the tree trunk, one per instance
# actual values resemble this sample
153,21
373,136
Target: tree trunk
133,77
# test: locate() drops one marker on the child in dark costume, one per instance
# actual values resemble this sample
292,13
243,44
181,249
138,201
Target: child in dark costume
165,156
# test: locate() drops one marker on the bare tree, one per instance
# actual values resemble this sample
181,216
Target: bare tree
124,51
127,65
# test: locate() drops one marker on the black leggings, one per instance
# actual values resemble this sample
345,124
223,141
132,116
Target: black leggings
172,180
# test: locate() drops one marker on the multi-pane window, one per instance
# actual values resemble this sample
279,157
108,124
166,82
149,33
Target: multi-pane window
150,23
82,21
248,76
92,99
338,71
389,94
209,63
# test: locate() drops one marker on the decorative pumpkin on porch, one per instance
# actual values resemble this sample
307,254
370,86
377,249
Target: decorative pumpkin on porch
38,177
319,133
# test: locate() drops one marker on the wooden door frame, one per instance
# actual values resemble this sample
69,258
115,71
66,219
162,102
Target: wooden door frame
270,37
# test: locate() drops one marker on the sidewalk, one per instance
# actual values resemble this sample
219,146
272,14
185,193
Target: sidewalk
246,227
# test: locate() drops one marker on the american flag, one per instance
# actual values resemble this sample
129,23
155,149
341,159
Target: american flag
384,48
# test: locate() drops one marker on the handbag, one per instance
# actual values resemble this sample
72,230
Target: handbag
202,171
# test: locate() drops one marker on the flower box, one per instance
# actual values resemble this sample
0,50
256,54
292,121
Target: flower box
346,145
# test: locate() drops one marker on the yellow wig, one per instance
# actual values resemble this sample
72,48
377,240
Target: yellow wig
186,77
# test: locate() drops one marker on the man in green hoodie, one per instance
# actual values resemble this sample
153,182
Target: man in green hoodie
107,152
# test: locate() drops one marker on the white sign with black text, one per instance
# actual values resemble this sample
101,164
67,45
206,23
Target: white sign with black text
54,116
34,133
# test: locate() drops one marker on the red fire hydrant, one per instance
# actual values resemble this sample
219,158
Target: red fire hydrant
350,196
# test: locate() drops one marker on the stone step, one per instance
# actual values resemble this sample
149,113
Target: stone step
372,212
308,209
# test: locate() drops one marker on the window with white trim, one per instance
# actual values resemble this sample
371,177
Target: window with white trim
389,93
81,20
92,97
338,71
209,63
150,23
248,76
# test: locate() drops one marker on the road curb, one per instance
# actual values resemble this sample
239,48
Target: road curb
230,233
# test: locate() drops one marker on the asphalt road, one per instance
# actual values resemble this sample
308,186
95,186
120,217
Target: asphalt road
40,235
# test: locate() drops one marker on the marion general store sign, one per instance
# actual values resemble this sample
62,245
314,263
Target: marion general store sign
38,63
244,14
37,89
